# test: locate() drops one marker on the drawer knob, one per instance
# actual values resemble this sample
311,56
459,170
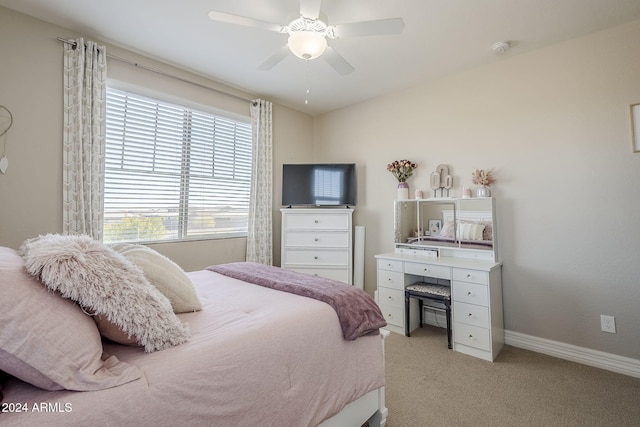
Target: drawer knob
316,239
316,221
469,276
469,293
315,257
388,279
470,336
390,297
470,314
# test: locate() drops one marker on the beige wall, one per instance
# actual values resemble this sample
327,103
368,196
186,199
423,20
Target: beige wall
31,87
554,124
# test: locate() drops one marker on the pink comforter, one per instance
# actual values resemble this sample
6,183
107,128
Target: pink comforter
357,312
256,357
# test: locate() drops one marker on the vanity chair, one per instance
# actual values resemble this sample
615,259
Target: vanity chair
433,293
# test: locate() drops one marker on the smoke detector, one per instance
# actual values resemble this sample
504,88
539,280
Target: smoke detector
501,47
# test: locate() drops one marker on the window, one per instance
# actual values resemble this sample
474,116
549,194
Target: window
172,172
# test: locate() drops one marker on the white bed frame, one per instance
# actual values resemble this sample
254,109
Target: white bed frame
370,407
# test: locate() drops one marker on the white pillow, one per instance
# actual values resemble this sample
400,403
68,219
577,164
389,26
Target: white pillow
105,283
164,274
470,231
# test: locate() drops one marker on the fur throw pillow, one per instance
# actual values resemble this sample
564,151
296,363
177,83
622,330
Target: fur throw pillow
105,283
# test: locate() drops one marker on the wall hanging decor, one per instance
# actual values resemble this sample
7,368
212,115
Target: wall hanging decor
6,120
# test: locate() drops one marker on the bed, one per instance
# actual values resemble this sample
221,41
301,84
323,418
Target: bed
255,356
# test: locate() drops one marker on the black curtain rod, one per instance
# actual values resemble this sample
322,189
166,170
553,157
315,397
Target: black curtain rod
162,73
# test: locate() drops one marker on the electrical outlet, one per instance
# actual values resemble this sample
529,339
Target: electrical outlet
608,323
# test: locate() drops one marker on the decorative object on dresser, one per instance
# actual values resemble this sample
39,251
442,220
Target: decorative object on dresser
402,170
484,179
440,179
466,262
318,241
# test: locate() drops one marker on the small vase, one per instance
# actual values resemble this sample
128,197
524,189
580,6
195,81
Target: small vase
484,191
403,191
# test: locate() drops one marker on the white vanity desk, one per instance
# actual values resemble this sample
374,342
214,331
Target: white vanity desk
476,294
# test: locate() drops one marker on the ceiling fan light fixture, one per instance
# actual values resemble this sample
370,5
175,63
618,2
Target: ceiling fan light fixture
307,44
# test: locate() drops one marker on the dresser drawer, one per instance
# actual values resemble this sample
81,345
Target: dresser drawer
470,314
390,279
428,270
339,274
318,257
316,221
472,276
388,296
311,239
472,336
392,314
390,264
470,292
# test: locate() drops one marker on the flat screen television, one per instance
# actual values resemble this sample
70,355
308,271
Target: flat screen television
319,184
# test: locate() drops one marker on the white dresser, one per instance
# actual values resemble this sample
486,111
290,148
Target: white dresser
318,241
476,298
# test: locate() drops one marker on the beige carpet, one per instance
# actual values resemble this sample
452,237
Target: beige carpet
428,385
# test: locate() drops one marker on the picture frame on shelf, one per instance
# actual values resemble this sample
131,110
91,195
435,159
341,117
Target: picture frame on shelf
435,225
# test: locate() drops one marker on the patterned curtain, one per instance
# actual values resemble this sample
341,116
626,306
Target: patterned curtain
85,74
259,236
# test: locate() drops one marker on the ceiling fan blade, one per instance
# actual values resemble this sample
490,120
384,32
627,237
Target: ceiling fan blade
274,59
214,15
337,62
370,28
310,8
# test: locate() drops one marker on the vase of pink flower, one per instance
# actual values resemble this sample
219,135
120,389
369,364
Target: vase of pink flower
402,170
484,179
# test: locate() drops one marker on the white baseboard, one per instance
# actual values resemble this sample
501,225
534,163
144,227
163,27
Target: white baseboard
598,359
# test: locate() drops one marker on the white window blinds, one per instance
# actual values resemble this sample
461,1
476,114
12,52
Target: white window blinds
173,173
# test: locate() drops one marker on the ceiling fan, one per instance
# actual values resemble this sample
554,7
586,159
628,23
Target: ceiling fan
309,32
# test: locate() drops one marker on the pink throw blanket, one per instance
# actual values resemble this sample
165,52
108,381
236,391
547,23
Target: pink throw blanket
358,313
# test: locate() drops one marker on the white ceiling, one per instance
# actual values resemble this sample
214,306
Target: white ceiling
440,37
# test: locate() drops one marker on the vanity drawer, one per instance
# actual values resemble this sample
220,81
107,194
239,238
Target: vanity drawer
316,257
472,336
472,276
427,270
470,314
393,315
313,221
325,240
390,264
470,293
391,297
390,279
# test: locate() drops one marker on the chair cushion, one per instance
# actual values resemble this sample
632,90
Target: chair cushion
429,289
